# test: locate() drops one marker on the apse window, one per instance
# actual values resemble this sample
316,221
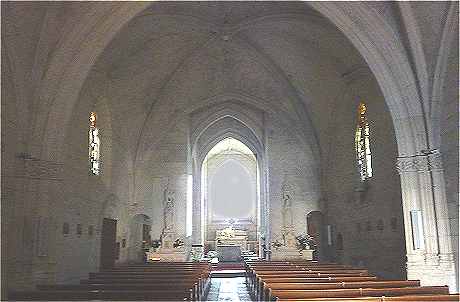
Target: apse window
94,145
362,144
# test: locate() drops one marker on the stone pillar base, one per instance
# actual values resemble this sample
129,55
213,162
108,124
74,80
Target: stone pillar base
169,255
285,254
307,254
432,271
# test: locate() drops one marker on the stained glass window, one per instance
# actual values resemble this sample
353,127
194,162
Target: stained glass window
94,145
362,145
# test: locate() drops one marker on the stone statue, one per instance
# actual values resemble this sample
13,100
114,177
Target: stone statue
289,240
287,211
169,209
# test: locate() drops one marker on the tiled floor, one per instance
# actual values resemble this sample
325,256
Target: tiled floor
228,289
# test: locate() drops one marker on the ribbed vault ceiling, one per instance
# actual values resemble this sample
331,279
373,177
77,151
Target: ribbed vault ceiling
284,52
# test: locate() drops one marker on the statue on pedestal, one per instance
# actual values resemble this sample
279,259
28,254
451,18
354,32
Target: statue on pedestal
168,210
287,211
288,223
168,236
172,246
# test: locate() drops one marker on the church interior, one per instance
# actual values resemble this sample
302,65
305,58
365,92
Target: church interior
223,150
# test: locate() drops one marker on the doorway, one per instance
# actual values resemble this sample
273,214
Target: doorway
108,243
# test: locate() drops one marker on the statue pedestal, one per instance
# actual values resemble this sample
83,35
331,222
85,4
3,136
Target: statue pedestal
285,254
168,254
167,251
307,254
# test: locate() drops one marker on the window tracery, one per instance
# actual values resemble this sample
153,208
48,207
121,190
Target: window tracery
94,145
362,144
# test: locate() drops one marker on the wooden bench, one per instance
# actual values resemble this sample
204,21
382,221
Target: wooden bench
275,295
155,282
123,295
312,281
265,293
431,298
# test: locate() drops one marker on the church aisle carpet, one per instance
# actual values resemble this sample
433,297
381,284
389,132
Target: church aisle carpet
228,289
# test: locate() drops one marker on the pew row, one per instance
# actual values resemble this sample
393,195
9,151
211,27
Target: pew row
313,281
175,281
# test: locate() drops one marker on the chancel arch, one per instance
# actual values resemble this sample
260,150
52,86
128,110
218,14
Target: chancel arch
226,128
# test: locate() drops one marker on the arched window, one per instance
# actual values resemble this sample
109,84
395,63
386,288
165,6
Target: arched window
362,145
94,145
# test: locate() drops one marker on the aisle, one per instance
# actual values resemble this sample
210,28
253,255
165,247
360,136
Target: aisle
228,289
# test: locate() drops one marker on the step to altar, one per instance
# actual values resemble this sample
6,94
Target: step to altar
228,266
227,273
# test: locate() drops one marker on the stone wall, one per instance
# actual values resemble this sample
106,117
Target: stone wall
290,165
368,215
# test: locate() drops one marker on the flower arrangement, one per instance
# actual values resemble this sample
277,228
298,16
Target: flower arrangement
276,244
178,243
156,243
305,241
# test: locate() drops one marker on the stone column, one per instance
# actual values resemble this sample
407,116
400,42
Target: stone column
196,208
422,186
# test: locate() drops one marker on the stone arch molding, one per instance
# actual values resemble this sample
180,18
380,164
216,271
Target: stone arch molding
248,109
228,119
250,119
213,140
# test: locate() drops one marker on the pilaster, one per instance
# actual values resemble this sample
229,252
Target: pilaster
422,184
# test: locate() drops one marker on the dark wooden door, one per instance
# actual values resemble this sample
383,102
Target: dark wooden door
108,243
314,227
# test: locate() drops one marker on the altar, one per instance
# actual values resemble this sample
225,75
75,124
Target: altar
231,237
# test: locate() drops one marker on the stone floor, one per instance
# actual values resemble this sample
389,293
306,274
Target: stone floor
228,289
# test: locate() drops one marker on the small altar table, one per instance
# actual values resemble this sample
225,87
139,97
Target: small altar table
230,236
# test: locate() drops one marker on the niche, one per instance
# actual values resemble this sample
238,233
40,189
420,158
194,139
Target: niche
79,229
65,229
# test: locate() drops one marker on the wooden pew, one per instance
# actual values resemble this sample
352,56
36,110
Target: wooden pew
276,295
120,295
162,282
257,280
252,268
284,281
267,286
252,274
430,298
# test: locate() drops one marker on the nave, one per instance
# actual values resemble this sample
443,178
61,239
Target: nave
262,281
177,130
